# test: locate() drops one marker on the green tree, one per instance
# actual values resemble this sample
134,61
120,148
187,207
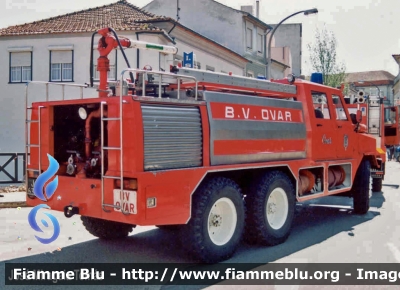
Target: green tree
323,58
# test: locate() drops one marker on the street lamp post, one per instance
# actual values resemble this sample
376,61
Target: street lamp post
306,12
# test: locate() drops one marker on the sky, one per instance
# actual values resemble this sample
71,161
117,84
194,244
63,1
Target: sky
364,29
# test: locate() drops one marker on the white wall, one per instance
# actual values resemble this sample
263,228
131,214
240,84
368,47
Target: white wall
209,18
206,59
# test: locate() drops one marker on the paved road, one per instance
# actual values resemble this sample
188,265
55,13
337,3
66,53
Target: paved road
325,231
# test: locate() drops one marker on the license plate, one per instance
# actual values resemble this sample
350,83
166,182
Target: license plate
127,200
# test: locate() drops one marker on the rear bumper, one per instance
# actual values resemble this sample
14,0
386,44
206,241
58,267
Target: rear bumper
172,207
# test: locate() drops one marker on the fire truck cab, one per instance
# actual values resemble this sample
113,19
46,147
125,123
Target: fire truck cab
220,157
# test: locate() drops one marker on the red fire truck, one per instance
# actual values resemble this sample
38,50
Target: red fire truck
373,114
392,127
219,156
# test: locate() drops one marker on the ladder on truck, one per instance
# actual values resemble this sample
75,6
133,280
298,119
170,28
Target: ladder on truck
211,81
239,84
374,116
28,121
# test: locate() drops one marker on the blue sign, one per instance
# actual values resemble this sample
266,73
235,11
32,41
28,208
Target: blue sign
50,190
188,60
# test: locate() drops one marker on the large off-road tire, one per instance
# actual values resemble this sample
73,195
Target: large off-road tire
217,222
360,189
270,205
106,230
376,184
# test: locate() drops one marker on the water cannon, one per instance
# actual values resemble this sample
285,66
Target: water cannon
360,99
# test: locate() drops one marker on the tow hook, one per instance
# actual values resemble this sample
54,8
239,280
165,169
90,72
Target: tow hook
70,210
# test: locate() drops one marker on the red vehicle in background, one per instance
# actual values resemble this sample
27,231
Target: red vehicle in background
392,129
373,123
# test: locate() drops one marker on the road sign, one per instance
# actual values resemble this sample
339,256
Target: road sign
188,59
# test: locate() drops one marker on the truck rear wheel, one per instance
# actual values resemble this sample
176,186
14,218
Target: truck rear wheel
217,223
106,230
270,205
376,184
360,190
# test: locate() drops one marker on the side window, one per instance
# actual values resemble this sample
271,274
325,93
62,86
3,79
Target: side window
20,67
339,108
321,108
390,115
61,65
249,38
260,43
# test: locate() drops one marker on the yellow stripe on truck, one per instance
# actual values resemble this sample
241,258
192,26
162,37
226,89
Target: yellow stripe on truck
380,151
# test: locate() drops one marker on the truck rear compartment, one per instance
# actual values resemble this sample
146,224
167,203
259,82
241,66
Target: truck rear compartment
77,140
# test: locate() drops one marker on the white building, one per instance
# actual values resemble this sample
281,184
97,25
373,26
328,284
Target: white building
373,83
58,50
238,30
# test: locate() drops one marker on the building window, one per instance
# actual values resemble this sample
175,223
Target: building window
112,73
61,65
20,67
210,68
260,43
249,38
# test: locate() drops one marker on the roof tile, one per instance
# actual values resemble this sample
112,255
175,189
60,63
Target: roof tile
120,15
372,76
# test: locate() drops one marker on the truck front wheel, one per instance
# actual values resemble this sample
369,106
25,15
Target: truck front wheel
270,204
216,226
360,189
106,230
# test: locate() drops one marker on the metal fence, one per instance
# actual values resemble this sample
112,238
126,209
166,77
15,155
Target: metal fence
13,175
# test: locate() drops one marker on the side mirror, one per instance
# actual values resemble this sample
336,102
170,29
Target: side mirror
359,116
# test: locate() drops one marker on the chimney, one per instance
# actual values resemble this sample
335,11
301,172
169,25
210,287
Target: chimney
247,8
258,8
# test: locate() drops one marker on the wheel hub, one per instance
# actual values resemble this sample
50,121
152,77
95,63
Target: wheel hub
271,208
222,220
277,208
216,220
